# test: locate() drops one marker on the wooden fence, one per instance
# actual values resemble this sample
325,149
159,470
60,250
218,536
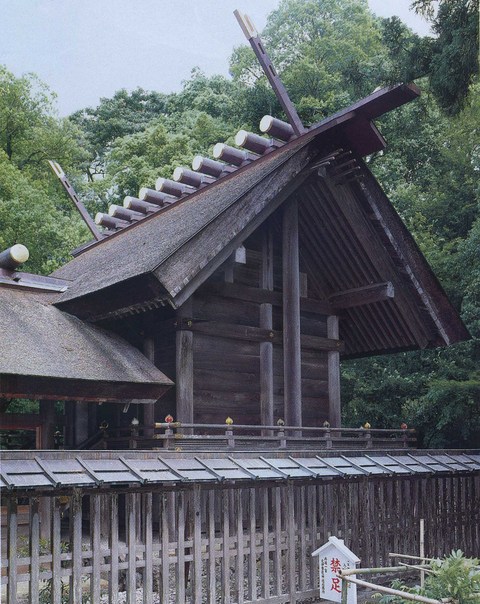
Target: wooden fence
237,437
226,543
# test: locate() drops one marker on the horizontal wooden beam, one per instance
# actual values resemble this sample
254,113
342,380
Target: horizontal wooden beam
265,296
369,294
256,334
60,388
20,421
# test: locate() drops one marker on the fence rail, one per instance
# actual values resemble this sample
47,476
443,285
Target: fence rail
224,543
224,437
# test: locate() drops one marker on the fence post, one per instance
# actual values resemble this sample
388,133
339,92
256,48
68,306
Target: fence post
168,442
282,441
229,433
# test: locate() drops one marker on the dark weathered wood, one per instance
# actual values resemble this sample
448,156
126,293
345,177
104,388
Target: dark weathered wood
56,551
266,348
256,334
277,549
149,410
252,558
240,567
12,534
148,541
226,597
264,295
197,544
369,294
76,583
113,543
291,545
131,514
47,413
334,401
165,554
20,421
184,366
257,205
95,536
265,561
291,316
212,596
180,575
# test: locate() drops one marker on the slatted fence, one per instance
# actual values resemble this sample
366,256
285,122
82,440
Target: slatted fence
230,543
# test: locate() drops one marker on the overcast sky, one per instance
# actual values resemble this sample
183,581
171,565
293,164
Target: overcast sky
87,49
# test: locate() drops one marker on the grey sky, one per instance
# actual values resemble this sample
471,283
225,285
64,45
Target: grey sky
86,49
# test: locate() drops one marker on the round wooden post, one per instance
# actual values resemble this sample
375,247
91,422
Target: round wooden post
291,317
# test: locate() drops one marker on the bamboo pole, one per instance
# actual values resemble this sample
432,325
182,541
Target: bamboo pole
388,590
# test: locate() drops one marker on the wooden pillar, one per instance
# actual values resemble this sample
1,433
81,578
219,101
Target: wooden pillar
334,406
266,348
68,435
47,441
80,422
184,366
149,410
291,317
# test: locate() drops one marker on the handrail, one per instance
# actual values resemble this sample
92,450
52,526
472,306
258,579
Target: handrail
256,427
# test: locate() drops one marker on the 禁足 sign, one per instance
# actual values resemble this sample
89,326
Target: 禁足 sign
334,557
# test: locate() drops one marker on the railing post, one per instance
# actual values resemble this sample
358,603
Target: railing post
229,433
168,442
133,433
282,441
368,439
328,439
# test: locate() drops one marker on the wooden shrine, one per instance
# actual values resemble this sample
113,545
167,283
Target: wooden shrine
242,281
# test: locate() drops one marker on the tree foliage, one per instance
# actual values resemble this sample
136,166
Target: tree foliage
33,210
449,58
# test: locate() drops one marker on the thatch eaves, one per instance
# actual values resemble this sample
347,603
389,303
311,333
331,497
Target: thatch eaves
46,353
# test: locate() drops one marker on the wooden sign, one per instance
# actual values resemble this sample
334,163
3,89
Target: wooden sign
334,557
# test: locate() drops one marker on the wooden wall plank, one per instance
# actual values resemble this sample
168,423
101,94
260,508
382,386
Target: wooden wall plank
165,552
113,544
252,558
277,542
265,562
95,536
76,541
131,514
184,367
147,518
34,550
291,316
334,375
240,572
211,549
197,544
56,551
226,597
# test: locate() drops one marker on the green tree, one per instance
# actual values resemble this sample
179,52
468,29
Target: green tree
449,58
329,54
33,209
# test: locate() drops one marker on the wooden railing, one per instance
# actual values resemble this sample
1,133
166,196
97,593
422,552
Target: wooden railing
242,436
229,437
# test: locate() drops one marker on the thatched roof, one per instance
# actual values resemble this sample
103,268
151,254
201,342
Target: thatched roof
47,353
350,237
